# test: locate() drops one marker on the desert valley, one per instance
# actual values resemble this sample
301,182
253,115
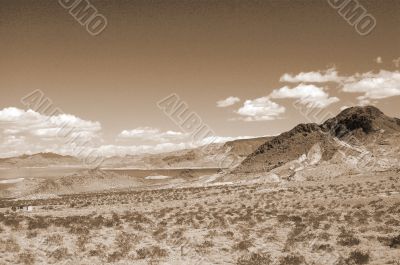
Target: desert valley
320,194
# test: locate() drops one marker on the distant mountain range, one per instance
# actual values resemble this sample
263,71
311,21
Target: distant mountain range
40,160
354,126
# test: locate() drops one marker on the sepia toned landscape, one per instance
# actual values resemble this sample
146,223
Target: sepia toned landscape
200,132
315,203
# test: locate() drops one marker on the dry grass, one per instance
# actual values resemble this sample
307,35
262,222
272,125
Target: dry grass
346,221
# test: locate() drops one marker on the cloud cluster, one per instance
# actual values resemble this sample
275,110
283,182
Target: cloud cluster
229,101
379,60
396,62
310,95
151,134
330,75
27,131
379,85
260,109
31,123
310,92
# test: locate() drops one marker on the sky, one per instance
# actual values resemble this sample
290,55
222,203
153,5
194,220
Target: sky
242,68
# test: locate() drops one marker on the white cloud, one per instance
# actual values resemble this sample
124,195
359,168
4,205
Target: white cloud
378,60
151,134
27,131
379,85
227,102
309,95
122,150
397,62
14,120
260,109
330,75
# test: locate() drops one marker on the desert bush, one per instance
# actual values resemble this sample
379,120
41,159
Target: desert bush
346,238
292,260
394,242
358,257
12,220
204,247
123,242
59,254
99,251
254,259
243,245
154,252
81,242
38,222
31,234
26,257
55,239
9,245
160,233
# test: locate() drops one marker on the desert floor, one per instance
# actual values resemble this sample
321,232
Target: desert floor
352,219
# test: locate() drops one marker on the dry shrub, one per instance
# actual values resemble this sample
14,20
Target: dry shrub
254,259
292,260
31,234
55,239
123,242
59,254
99,251
346,238
243,245
11,220
394,242
204,247
9,245
358,257
153,252
26,258
82,241
38,222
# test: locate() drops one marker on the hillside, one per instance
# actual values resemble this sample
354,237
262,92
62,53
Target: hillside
354,126
39,160
205,156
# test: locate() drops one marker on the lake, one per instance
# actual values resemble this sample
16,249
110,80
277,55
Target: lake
49,172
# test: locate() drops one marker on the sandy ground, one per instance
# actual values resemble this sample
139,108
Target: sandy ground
347,219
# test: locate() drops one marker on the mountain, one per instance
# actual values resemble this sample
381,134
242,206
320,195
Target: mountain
204,156
352,127
361,121
39,160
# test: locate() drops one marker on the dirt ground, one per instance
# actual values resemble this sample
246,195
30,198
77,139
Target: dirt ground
350,219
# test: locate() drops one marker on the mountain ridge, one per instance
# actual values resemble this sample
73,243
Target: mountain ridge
357,122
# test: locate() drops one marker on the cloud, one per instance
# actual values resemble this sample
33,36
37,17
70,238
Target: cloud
260,109
227,102
123,150
373,86
379,85
14,120
396,62
330,75
378,60
309,95
27,131
151,134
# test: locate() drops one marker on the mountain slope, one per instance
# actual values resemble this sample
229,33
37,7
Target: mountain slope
354,125
205,156
39,160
